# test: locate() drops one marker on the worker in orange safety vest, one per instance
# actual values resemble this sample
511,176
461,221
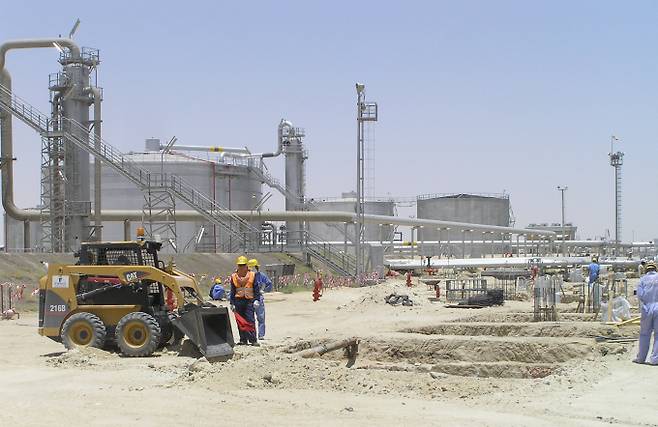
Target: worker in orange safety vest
242,296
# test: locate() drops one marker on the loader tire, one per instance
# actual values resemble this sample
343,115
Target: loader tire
83,330
138,334
167,328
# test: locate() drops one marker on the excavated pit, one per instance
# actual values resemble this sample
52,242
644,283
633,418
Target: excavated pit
473,353
538,329
492,345
524,318
480,349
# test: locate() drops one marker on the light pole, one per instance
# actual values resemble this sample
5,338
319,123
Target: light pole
564,237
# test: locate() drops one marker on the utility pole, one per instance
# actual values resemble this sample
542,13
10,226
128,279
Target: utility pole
365,112
564,237
616,161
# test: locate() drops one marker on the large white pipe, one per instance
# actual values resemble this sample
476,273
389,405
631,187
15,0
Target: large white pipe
523,262
529,243
327,216
240,152
211,149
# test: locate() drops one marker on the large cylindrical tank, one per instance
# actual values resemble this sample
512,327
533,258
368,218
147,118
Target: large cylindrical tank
334,232
470,208
230,183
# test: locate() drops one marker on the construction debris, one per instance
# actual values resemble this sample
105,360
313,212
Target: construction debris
319,350
395,299
615,339
9,314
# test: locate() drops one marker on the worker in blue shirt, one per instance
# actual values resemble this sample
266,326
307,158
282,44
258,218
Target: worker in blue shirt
217,291
594,269
647,294
265,285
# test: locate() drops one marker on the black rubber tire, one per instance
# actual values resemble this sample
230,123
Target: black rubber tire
166,329
83,330
138,334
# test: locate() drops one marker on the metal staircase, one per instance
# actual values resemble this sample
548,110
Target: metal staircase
337,260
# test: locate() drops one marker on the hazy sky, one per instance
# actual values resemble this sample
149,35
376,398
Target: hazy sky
474,96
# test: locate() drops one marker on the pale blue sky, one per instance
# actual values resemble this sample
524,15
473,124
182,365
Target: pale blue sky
474,96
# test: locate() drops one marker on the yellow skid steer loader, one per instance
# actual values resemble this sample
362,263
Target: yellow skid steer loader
121,293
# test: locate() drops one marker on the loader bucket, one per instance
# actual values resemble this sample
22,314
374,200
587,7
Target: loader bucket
209,328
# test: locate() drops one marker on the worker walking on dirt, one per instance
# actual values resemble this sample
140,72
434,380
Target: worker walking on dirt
244,293
264,284
647,294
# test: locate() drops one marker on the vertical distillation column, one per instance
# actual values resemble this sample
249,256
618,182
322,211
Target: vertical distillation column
75,103
296,156
365,112
616,161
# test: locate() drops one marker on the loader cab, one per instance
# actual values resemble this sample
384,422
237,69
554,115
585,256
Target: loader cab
141,252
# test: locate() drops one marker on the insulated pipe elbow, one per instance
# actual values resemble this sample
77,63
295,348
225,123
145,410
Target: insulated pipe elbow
6,156
284,124
37,43
6,130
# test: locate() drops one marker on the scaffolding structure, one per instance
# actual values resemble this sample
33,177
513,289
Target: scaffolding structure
159,210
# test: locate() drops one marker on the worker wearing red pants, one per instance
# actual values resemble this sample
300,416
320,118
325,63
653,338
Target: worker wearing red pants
242,297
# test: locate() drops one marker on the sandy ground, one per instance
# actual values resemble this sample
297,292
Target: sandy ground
416,366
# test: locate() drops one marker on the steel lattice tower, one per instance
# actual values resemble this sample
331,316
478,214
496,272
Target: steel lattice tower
616,161
365,112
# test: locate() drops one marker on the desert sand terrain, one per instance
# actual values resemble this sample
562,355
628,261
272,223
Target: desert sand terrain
420,365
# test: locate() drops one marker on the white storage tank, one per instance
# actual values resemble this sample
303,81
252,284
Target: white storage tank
489,209
229,181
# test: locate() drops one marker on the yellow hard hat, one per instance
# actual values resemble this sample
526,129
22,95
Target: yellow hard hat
242,260
218,280
650,265
253,263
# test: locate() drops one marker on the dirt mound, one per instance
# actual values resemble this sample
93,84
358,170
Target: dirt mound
83,357
374,296
271,369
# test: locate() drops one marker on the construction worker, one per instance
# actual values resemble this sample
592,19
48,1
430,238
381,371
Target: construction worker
217,291
647,294
641,269
244,293
264,284
594,270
